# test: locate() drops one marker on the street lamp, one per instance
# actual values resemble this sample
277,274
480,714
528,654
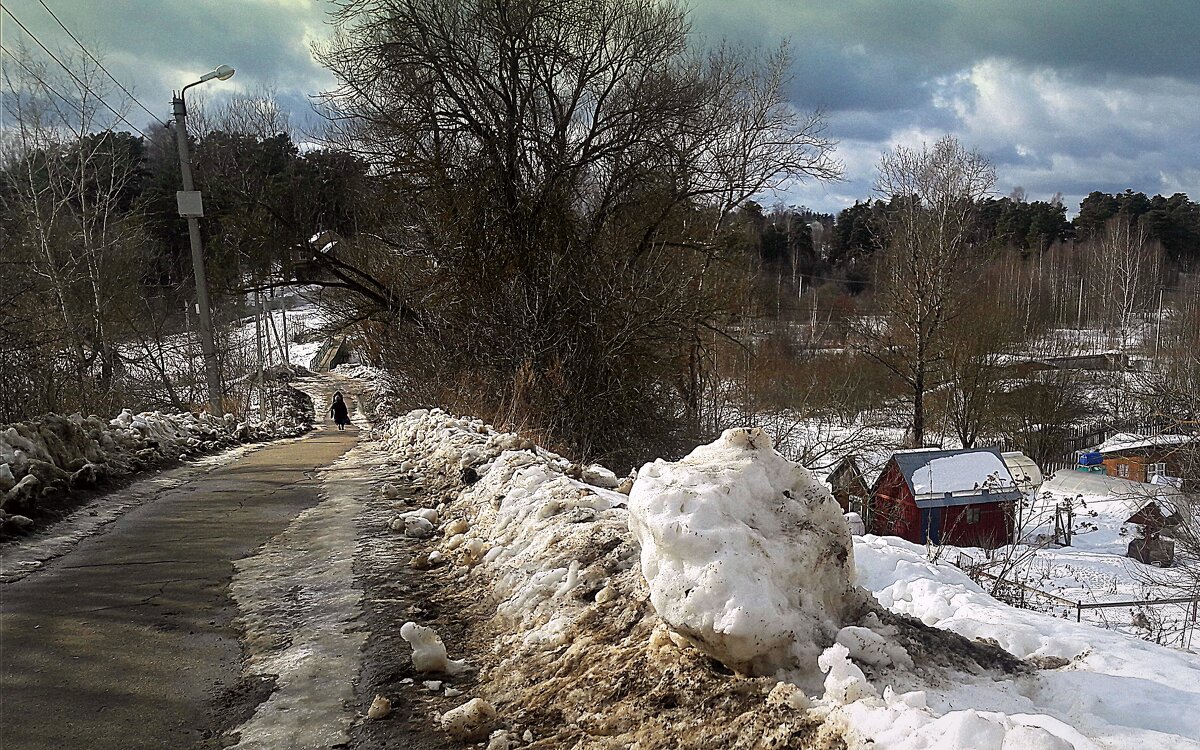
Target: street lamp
191,207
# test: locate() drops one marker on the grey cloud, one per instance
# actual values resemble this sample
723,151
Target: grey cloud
1088,95
1096,37
154,47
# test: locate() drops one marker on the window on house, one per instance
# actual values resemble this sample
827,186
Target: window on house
1157,470
971,513
1123,471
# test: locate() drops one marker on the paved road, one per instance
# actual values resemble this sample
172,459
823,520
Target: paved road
128,641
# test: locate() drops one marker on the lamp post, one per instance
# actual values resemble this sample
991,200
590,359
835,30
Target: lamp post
191,207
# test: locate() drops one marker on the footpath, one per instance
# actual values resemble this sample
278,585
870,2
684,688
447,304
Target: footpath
130,639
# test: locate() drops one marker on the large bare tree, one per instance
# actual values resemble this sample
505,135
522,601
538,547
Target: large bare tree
558,176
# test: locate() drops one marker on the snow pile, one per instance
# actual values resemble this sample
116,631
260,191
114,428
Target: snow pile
567,641
745,553
567,637
54,454
1110,690
526,519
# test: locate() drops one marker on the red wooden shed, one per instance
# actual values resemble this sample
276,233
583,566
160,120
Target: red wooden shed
961,497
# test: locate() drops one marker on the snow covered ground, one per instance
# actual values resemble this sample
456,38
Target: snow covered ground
1094,569
1111,690
177,357
580,649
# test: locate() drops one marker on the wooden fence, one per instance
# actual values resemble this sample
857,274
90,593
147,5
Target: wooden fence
1077,440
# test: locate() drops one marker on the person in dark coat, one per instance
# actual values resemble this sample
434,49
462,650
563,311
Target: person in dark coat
340,415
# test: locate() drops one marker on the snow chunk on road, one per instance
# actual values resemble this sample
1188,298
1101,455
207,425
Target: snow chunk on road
745,553
429,653
470,722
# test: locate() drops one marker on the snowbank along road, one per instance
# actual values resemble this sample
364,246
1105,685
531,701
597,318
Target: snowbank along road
131,639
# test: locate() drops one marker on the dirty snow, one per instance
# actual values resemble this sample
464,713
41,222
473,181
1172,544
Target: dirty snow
578,652
56,454
745,553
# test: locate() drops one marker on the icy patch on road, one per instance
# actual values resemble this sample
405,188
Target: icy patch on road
299,606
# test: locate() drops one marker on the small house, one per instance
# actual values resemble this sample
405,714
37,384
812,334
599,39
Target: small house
1149,546
851,481
1141,459
962,497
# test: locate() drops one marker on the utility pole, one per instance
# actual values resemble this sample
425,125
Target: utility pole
191,207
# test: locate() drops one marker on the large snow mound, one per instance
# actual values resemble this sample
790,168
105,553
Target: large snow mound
568,642
745,553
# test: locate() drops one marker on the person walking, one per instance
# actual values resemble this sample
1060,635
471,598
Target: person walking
340,415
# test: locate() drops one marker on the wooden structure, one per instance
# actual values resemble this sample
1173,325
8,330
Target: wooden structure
1149,547
332,353
1140,459
849,485
961,497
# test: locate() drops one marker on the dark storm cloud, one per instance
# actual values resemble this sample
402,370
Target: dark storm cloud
153,47
1062,96
882,49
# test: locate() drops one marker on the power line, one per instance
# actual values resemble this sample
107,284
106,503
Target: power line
63,65
93,58
39,79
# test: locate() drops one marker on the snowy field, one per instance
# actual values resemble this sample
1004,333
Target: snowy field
284,336
600,597
1093,570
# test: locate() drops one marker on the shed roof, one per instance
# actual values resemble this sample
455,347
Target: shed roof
868,464
1127,441
939,478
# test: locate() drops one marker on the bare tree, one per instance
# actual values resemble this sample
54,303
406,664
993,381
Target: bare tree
558,175
1130,266
68,178
982,337
928,265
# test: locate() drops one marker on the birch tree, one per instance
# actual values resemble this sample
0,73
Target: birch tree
69,180
928,266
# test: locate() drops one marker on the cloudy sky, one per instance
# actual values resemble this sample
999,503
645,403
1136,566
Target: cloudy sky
1062,96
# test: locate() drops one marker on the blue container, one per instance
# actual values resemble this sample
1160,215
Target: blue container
1091,458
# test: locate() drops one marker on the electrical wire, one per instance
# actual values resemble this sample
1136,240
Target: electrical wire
79,81
106,72
73,104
